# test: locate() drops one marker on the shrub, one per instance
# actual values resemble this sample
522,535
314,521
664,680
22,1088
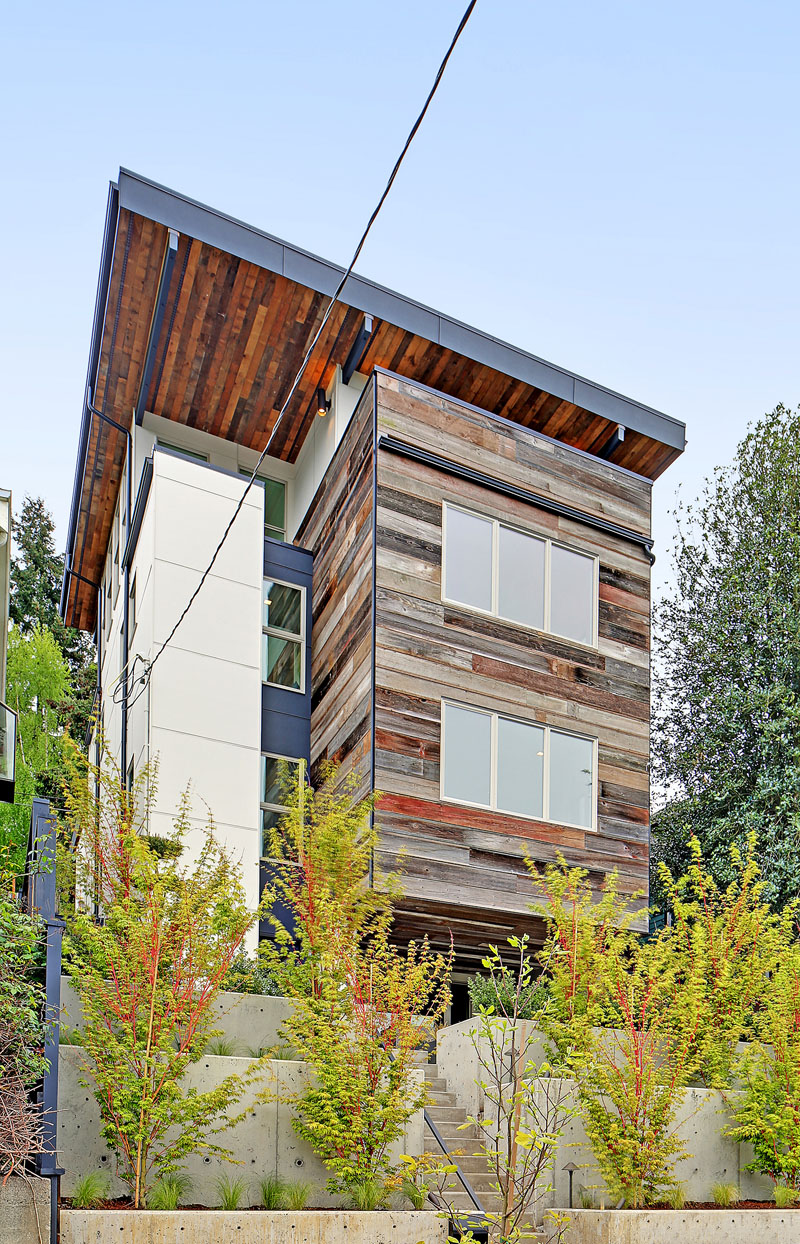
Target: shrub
247,975
630,1078
230,1192
765,1113
148,973
497,994
272,1192
90,1191
367,1194
21,1028
168,1192
357,1001
785,1197
676,1196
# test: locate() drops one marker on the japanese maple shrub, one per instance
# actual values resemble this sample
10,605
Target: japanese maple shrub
361,1007
148,947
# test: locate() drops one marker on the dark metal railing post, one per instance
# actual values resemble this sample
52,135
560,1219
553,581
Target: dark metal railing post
40,895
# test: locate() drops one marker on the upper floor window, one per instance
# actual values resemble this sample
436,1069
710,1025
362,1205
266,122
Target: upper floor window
274,505
503,571
283,643
187,453
498,762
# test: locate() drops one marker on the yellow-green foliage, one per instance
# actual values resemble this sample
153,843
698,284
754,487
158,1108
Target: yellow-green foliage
357,999
148,973
766,1112
635,1019
726,944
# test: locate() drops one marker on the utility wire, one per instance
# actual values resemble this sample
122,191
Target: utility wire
315,339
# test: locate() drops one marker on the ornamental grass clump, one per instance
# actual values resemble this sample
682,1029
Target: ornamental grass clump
90,1191
361,1008
148,947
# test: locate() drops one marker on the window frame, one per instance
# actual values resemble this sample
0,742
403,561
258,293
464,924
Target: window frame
493,766
279,633
196,455
272,807
548,543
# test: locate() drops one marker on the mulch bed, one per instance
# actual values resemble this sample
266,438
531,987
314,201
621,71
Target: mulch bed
713,1205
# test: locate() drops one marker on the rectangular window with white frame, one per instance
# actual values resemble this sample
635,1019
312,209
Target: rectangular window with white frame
492,761
275,770
274,505
283,654
531,580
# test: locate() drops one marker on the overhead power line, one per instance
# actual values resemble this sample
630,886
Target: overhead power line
295,383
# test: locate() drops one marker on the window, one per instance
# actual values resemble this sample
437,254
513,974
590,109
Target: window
282,651
274,505
522,578
108,598
518,767
186,453
115,555
273,778
132,607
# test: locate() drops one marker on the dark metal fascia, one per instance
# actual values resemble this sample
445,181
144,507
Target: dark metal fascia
156,202
142,493
101,299
404,450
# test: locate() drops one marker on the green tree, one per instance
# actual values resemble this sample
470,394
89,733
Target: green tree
36,574
37,683
726,720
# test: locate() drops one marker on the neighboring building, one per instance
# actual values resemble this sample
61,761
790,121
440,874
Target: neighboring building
444,583
8,721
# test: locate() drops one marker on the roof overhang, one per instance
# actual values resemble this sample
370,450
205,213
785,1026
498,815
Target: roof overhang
204,320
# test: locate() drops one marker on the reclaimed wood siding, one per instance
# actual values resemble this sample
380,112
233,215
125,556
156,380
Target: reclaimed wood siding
338,528
463,858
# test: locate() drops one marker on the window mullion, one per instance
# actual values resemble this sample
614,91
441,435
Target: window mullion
493,763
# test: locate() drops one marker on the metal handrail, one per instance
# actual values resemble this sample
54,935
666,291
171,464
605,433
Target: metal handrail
466,1185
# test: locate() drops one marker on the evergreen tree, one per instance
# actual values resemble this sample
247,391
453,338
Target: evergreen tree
726,724
36,574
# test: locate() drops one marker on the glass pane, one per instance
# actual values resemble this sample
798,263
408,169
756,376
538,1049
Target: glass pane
187,453
468,560
274,504
468,755
571,782
572,595
275,772
8,737
282,607
521,578
269,819
281,662
520,767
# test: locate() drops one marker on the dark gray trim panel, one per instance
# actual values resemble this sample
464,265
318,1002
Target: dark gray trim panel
393,446
176,211
143,492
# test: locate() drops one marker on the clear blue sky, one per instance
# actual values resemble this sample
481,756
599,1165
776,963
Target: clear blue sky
613,187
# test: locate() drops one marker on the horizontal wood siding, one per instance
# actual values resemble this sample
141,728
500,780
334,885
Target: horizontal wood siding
338,528
464,863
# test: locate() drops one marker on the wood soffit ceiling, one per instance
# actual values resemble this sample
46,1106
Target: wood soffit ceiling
232,337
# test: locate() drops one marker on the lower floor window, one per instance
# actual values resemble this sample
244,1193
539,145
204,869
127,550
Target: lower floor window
513,766
277,773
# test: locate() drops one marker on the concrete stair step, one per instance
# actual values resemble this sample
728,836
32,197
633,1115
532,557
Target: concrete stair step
447,1114
439,1097
436,1084
467,1146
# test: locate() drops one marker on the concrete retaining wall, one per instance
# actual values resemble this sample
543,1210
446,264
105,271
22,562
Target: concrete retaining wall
277,1227
251,1021
714,1226
25,1211
714,1158
263,1143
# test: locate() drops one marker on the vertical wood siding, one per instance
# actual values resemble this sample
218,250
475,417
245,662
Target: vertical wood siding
338,530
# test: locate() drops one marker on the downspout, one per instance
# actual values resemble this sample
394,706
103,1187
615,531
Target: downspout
123,746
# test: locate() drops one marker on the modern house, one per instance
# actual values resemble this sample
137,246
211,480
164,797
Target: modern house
442,581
